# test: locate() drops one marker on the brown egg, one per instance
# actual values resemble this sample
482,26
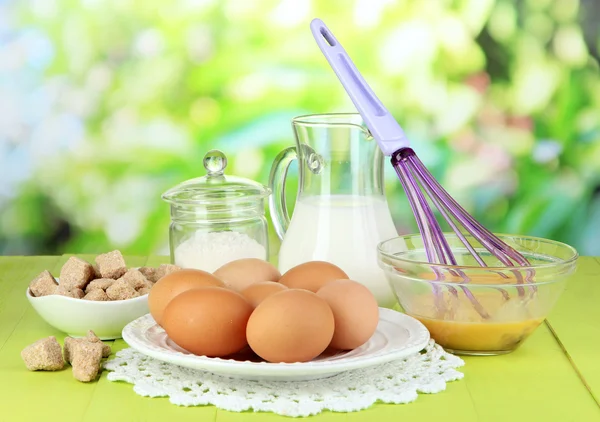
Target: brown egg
355,311
290,326
208,321
175,283
241,273
257,292
312,275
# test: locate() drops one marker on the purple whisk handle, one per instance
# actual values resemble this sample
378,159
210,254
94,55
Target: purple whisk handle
382,125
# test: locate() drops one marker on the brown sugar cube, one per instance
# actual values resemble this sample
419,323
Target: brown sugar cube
121,290
111,264
79,294
99,284
166,269
135,278
97,295
92,337
144,291
43,285
97,274
150,273
76,274
75,293
147,285
68,348
86,358
144,288
43,355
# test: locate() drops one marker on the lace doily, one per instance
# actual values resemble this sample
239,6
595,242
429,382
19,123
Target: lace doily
394,382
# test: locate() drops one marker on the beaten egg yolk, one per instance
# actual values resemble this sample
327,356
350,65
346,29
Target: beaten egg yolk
459,327
482,336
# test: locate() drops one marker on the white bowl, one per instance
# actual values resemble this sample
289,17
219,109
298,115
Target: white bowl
76,316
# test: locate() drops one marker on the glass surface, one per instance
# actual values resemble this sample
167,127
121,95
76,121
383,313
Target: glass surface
216,203
215,186
337,156
341,212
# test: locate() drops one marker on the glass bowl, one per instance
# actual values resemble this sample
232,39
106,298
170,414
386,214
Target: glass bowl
474,310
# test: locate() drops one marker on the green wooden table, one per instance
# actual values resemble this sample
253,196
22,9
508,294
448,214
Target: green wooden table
554,376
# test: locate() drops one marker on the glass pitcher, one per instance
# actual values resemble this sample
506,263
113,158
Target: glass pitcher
341,211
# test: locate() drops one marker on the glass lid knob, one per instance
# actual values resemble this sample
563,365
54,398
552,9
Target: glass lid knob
215,162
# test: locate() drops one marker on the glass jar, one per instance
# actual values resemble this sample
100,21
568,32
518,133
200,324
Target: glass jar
216,219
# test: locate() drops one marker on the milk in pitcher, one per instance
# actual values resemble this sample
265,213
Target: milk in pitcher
343,230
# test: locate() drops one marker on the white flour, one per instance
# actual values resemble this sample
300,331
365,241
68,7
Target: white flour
209,251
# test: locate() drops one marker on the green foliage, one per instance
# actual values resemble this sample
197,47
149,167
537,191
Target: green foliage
498,97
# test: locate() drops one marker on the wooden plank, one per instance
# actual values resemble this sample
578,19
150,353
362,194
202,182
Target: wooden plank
56,393
130,405
576,322
224,416
134,407
537,382
105,394
19,385
15,274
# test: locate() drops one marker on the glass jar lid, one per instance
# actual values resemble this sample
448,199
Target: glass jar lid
215,187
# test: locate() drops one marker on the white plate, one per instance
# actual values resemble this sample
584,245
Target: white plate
397,336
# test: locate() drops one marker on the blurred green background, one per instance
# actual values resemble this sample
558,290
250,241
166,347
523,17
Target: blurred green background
106,104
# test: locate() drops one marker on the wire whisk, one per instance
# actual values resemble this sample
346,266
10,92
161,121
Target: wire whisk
420,186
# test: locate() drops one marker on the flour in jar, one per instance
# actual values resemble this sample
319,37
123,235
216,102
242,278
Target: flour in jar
209,251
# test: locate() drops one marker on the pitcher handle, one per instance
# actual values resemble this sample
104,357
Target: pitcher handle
277,205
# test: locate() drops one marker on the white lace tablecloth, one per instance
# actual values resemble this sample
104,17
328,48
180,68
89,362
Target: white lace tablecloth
394,382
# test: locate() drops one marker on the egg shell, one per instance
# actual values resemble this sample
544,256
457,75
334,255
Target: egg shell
290,326
355,311
208,321
241,273
257,292
312,275
174,284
